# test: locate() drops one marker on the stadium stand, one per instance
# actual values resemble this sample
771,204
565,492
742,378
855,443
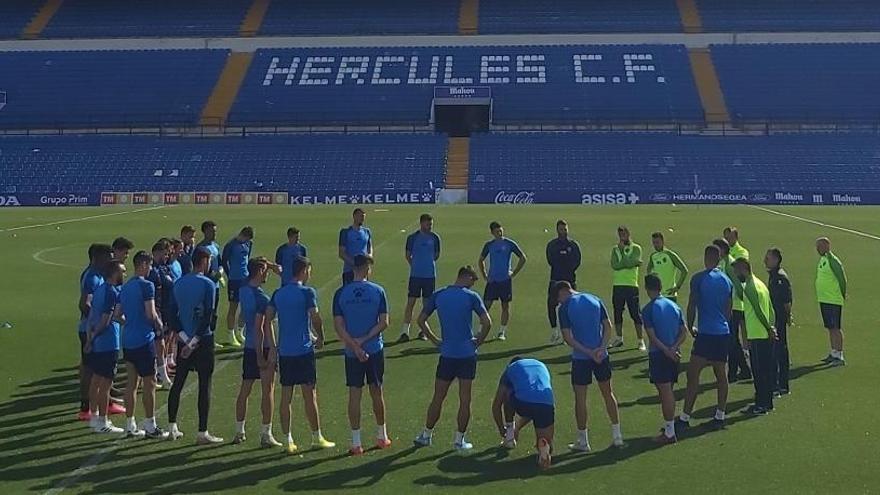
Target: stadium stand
800,82
15,14
578,16
669,163
122,19
355,17
530,84
106,88
299,162
790,15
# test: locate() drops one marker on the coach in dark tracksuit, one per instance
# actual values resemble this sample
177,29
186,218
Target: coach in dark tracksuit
564,258
781,299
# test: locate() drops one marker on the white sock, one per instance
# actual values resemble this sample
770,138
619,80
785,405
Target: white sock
428,432
405,329
203,434
719,414
289,438
381,432
583,437
685,417
150,424
503,328
316,435
163,372
266,429
355,438
130,423
836,354
459,437
669,429
232,334
510,431
239,427
172,427
615,431
840,355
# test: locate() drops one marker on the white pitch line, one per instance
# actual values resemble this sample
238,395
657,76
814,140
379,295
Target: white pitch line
816,222
82,219
38,257
92,462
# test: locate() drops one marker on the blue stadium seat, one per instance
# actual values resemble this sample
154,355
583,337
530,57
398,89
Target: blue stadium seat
668,163
131,18
107,88
530,84
578,16
301,163
15,14
790,15
800,82
358,17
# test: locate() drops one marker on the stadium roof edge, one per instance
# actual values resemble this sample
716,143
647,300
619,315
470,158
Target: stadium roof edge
694,40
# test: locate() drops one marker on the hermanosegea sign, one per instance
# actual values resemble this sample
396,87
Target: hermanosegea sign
507,197
630,197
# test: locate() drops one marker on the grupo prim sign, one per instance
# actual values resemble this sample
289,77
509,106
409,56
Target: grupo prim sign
59,199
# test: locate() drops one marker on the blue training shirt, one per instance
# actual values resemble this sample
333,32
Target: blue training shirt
194,303
455,307
713,291
104,302
584,313
213,248
665,318
138,330
292,303
89,280
185,259
360,303
163,282
499,252
355,241
529,379
235,258
253,302
175,269
285,255
424,249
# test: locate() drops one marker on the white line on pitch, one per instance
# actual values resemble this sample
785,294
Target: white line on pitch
816,222
82,219
38,257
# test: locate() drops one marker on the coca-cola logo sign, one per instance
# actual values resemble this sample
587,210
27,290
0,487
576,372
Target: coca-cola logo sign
517,198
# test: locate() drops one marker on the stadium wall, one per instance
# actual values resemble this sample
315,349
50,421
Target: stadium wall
637,196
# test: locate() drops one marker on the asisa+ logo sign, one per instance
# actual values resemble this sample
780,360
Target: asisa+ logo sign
619,198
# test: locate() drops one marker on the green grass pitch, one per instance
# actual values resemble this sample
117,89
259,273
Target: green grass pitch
821,439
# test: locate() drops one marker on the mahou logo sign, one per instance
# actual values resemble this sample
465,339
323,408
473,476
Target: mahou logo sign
517,198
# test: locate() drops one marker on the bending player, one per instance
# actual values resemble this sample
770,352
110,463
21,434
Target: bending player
525,391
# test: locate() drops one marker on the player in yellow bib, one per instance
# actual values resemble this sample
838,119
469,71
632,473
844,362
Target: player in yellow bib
626,258
737,364
759,335
668,266
737,250
831,294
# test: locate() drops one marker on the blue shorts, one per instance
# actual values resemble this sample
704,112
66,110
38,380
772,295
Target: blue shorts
373,371
103,363
662,369
542,415
499,291
448,369
712,347
250,370
143,358
298,370
583,370
832,315
421,287
232,287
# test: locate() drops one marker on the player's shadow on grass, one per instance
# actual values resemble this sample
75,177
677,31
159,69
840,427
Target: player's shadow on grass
487,355
360,476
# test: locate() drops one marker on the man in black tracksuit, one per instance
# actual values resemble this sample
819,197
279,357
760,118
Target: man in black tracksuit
564,258
780,297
